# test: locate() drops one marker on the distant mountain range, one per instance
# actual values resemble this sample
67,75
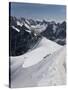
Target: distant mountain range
25,33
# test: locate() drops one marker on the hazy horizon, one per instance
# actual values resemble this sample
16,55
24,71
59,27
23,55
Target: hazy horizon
46,12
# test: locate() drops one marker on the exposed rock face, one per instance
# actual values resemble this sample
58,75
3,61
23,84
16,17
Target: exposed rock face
22,36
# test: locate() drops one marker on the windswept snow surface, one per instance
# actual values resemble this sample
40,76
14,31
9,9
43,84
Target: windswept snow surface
44,48
55,69
43,66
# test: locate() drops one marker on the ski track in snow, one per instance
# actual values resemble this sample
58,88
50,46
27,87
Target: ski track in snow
42,66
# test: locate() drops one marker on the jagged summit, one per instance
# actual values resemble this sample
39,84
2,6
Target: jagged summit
25,33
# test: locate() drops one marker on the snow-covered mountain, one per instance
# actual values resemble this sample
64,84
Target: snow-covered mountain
44,48
56,32
37,53
27,31
23,35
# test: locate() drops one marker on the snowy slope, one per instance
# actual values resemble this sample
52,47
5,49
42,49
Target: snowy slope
50,71
26,25
27,21
44,48
56,73
15,28
19,24
28,31
23,23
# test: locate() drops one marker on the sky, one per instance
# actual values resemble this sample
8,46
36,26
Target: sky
39,11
